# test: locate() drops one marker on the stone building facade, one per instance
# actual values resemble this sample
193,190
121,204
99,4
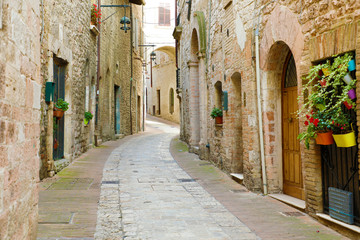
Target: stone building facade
121,78
70,47
226,46
20,91
69,60
160,72
162,99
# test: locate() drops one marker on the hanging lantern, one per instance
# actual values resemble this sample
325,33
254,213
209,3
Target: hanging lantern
152,56
125,20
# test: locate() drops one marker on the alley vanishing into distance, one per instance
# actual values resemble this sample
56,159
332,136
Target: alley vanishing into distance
152,188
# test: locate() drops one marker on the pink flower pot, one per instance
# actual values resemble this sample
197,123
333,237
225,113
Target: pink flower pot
352,94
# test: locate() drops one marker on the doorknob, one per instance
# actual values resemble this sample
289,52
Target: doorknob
290,120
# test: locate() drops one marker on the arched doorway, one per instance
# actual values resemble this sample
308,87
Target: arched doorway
292,169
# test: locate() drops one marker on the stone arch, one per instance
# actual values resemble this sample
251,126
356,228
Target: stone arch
235,110
194,104
282,35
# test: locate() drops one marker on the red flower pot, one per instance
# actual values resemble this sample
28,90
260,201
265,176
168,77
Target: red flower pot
324,138
218,120
347,105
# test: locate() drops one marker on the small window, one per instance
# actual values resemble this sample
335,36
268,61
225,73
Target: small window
218,94
171,101
164,14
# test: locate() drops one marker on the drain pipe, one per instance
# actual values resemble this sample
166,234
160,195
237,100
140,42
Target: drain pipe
258,87
131,70
261,135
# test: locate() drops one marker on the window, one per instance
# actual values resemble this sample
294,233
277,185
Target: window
171,101
164,14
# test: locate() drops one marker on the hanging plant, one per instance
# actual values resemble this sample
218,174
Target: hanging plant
325,93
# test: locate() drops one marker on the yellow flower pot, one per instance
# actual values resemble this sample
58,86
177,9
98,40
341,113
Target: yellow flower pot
345,140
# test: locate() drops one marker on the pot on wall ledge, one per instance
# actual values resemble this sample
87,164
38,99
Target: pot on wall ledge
218,120
58,113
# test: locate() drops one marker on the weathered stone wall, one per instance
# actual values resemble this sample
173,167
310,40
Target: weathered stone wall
115,70
20,89
66,35
164,79
311,30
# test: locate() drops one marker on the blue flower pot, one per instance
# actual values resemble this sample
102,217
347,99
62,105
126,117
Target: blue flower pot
352,65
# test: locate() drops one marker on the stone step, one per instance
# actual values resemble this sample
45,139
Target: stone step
238,177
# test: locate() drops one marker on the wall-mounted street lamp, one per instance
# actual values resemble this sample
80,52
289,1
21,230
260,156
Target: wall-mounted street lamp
124,20
152,56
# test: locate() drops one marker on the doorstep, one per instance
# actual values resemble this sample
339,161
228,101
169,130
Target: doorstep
238,177
326,217
295,202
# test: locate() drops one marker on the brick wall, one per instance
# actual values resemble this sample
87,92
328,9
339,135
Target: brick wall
311,30
20,89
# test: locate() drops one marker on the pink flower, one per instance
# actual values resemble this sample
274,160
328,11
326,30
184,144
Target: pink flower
341,128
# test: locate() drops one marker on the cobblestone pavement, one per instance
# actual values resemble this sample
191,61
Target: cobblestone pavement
146,195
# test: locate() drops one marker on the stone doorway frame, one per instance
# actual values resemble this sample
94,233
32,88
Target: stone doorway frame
282,33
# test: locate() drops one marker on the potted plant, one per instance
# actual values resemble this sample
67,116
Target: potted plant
217,114
343,132
87,117
327,94
95,15
61,106
318,128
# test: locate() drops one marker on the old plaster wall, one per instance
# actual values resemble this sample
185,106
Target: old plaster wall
20,91
66,35
164,79
115,70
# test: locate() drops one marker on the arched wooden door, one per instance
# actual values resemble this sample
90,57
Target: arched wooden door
292,170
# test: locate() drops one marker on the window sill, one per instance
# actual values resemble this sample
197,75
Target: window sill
326,217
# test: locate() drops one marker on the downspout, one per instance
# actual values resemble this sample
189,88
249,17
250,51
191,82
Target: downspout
208,43
97,83
144,79
258,86
261,135
176,41
131,68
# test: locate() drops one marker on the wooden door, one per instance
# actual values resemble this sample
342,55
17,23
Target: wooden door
292,170
117,109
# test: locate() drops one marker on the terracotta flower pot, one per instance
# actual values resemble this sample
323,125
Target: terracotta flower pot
324,138
345,140
56,144
58,113
218,120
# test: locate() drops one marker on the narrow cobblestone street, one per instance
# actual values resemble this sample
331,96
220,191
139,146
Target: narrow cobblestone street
158,200
146,194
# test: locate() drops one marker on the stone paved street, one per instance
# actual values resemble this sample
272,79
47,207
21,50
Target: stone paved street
158,200
145,194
